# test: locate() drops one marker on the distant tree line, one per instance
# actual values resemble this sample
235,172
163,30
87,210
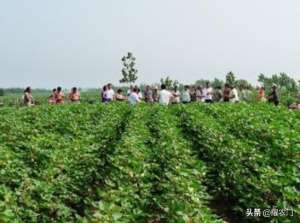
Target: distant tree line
8,91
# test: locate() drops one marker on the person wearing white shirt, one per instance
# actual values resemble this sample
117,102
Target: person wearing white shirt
208,93
133,98
130,90
110,92
186,96
176,96
234,95
164,95
140,94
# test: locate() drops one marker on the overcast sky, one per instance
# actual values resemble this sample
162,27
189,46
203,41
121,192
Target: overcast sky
80,42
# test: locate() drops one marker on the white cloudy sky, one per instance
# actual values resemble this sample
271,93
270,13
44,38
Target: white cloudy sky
80,42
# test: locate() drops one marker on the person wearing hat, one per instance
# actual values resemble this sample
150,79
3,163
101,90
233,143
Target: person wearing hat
273,96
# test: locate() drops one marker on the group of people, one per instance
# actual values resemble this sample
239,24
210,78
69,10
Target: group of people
205,94
163,96
57,96
272,97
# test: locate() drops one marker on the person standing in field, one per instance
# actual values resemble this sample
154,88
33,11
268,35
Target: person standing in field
193,93
129,90
234,96
133,98
156,94
273,96
208,93
148,94
51,98
186,96
74,96
176,96
59,96
119,96
262,94
27,97
226,93
199,94
110,92
217,94
139,93
165,96
104,94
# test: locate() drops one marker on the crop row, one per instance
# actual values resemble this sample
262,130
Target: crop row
154,177
243,173
148,163
107,163
180,174
277,140
52,158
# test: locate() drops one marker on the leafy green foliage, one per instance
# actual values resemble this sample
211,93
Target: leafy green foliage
252,155
287,86
154,177
170,84
129,72
50,177
282,81
177,195
2,92
216,83
242,84
147,163
230,79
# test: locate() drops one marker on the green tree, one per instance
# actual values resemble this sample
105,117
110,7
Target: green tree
230,79
2,92
287,86
169,82
217,83
214,84
129,72
201,82
283,81
243,84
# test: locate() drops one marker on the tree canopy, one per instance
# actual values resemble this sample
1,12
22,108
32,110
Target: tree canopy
129,72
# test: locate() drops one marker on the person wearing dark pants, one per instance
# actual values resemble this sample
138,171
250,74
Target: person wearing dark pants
273,96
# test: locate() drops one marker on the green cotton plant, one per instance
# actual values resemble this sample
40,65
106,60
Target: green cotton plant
147,163
141,169
58,153
125,192
177,193
275,133
238,163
